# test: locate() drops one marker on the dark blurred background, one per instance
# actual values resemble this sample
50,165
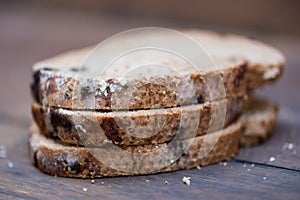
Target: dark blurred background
35,29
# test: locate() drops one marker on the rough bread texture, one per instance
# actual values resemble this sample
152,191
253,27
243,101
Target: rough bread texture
258,121
139,127
265,61
52,88
61,160
55,158
55,82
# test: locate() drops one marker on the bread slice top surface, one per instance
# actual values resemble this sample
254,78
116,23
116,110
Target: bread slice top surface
224,51
255,52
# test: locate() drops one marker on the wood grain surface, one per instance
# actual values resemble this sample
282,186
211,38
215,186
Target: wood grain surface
29,33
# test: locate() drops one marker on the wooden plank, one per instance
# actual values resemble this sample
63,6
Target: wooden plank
214,182
284,146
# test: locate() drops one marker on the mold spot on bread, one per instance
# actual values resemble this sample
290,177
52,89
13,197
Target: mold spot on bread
60,121
74,167
74,69
242,70
68,92
86,92
112,130
200,99
77,69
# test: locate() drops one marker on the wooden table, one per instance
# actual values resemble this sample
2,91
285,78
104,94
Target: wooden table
29,34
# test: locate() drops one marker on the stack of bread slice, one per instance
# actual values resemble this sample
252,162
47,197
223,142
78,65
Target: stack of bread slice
68,128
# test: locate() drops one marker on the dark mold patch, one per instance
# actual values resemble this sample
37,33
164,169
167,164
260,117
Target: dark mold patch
58,120
200,99
111,130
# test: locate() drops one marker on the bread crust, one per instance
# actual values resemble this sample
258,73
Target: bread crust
133,127
60,160
54,158
54,89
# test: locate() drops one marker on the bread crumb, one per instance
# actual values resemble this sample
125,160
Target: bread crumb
3,152
252,165
272,159
93,181
288,146
84,189
166,182
172,161
199,167
147,180
223,163
102,183
248,170
92,174
10,164
245,165
186,180
265,178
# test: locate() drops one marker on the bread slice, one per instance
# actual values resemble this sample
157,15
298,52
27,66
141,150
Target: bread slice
54,158
139,127
54,88
258,121
68,161
55,82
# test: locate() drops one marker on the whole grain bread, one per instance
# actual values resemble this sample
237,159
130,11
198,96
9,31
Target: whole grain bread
140,127
58,159
55,80
53,88
258,121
